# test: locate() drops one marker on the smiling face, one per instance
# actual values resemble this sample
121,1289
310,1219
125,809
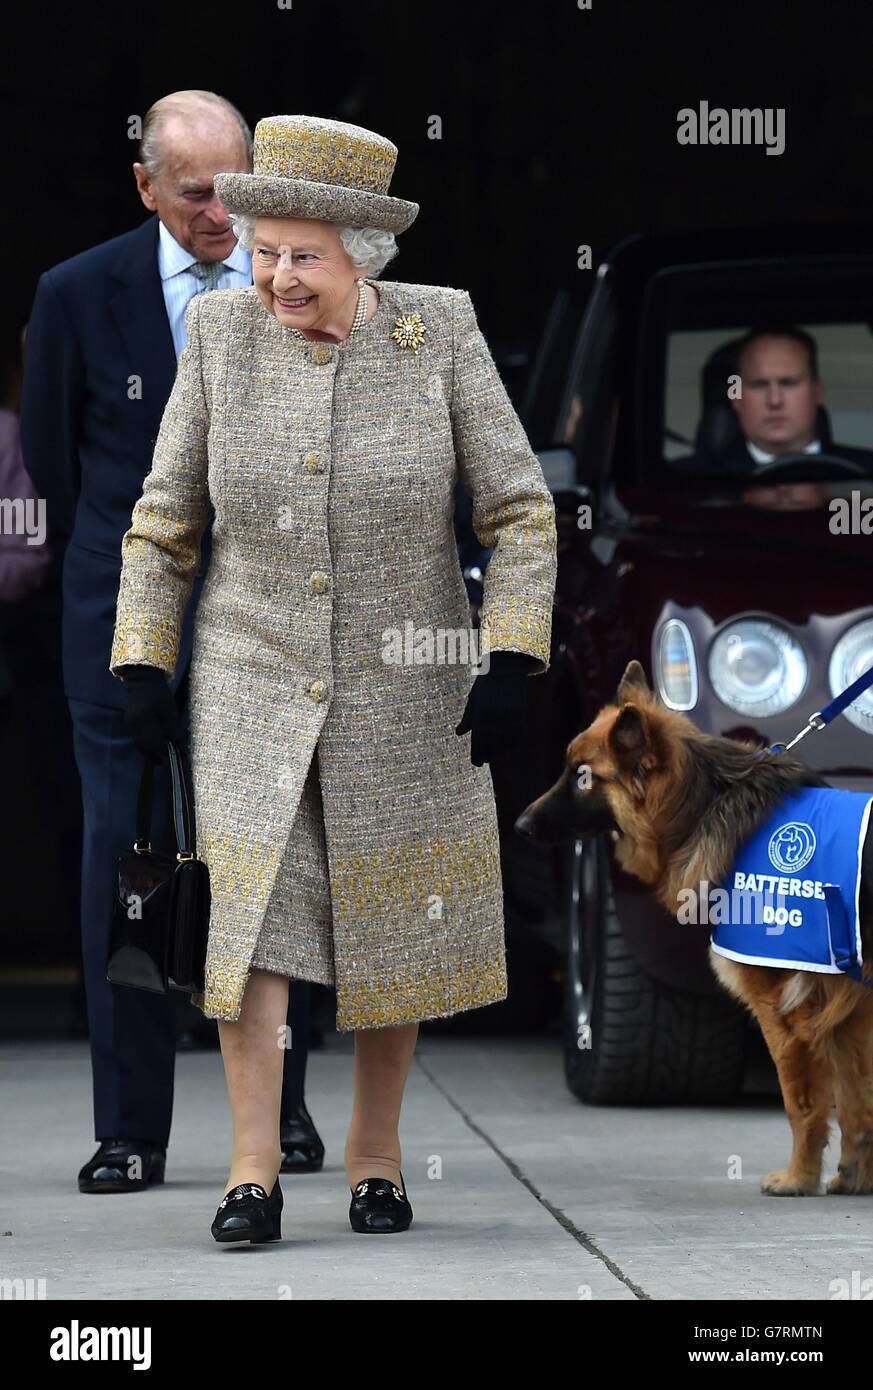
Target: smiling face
780,395
303,273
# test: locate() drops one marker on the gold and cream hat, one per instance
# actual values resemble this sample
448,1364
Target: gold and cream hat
307,166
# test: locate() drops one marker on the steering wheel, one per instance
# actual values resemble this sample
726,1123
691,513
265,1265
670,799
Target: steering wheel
786,463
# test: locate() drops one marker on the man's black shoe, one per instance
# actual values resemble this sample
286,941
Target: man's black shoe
124,1165
302,1148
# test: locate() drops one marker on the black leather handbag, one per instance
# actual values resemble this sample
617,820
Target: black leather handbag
160,917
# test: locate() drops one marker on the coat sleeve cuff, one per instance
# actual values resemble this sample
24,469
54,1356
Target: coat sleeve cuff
519,627
145,642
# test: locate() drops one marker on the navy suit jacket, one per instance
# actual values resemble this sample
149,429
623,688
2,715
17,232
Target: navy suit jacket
99,367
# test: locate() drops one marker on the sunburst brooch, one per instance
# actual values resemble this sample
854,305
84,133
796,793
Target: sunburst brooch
409,331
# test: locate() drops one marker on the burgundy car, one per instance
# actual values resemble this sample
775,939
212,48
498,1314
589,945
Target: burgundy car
745,599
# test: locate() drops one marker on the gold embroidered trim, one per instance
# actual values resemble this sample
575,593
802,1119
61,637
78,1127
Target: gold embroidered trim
239,870
295,151
520,627
521,519
381,885
400,880
140,640
439,994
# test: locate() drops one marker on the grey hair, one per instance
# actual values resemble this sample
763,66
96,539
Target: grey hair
189,105
370,247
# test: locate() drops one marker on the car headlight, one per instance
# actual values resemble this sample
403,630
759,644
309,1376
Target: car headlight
757,668
676,667
852,656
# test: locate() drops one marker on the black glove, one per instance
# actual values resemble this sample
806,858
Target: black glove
496,706
150,716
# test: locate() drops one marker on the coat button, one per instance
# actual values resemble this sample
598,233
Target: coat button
318,582
313,462
317,690
321,354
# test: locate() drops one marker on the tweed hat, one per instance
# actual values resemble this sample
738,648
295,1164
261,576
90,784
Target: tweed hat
307,166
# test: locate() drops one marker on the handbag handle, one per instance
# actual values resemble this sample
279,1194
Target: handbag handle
183,805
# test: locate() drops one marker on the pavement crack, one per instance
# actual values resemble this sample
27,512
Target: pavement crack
555,1212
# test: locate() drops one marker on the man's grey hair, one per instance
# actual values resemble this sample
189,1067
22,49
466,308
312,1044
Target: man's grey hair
367,246
192,106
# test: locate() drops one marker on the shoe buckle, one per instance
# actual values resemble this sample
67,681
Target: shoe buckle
364,1186
245,1189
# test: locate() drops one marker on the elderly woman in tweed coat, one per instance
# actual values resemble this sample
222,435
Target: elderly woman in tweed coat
339,733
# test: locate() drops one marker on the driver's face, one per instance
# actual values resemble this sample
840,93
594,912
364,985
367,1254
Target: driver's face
780,396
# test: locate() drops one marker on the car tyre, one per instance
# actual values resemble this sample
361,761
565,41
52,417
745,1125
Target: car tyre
629,1039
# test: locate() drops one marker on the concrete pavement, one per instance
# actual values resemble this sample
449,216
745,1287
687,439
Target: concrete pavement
519,1192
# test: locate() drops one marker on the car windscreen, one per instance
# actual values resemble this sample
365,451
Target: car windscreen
755,372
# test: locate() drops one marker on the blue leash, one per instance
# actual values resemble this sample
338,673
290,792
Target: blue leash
835,909
823,717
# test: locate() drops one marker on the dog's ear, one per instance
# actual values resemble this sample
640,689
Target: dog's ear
629,735
632,683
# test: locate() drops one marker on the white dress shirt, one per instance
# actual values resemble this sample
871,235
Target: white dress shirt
180,286
761,457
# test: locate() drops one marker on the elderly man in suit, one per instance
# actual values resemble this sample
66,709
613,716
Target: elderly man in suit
106,330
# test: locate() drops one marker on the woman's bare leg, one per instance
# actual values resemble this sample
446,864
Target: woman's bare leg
382,1060
253,1053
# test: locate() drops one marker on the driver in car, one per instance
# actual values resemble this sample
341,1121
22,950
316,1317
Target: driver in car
776,414
780,395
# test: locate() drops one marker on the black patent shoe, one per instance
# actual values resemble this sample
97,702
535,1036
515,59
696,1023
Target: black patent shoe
300,1142
247,1213
124,1165
378,1207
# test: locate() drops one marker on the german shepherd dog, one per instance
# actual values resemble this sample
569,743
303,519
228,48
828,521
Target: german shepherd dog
678,804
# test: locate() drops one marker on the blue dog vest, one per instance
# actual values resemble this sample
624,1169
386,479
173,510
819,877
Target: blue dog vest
792,896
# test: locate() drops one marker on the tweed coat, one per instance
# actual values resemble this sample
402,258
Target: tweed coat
327,471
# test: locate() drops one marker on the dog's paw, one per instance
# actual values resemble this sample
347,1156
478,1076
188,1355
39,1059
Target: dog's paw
781,1183
848,1183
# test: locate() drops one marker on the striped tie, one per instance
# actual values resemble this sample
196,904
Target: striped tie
208,273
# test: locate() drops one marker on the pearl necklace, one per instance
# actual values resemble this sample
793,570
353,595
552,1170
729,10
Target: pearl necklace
360,314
